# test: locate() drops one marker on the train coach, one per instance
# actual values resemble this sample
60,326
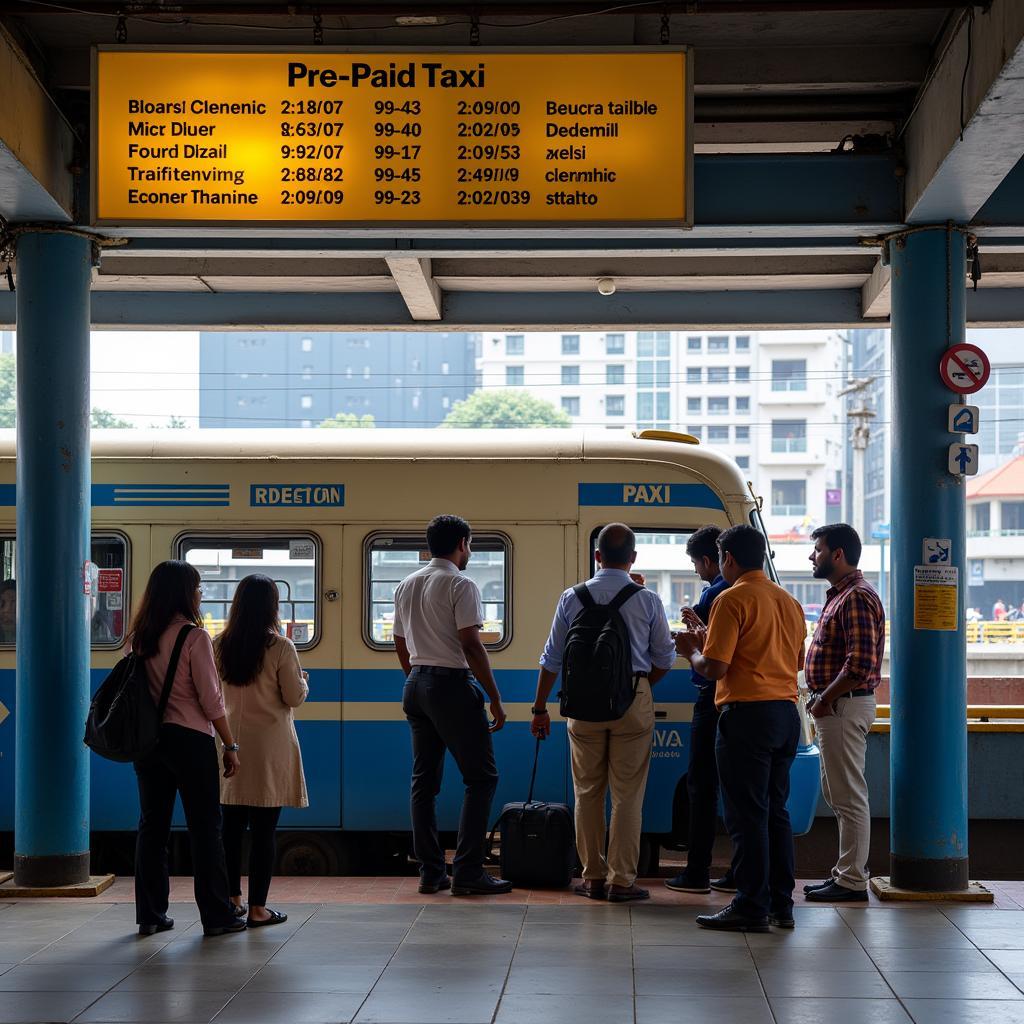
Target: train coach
338,520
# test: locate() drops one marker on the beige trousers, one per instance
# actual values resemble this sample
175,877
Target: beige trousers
842,740
612,756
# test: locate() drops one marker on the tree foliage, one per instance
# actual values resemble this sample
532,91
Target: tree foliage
348,421
7,400
505,409
105,420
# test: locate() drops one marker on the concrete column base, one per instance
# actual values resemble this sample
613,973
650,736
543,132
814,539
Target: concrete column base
883,888
92,886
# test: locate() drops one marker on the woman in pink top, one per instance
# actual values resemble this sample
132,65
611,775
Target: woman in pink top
185,761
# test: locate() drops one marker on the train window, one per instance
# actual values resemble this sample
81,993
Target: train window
291,560
662,560
108,587
392,557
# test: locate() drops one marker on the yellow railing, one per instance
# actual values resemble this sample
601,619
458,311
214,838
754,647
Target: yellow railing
980,718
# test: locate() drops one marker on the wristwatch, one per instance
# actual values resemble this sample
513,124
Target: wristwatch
538,711
231,747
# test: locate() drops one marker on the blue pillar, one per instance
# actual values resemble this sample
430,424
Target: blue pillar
51,820
929,668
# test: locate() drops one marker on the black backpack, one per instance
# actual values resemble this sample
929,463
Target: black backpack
124,723
598,683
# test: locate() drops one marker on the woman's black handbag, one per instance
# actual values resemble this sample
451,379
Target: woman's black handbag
124,723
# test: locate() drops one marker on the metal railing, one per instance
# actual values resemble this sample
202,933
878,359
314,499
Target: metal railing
980,718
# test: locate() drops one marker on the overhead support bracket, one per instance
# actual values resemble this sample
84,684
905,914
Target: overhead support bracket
967,130
417,286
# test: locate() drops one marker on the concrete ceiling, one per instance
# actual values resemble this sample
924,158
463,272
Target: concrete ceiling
787,203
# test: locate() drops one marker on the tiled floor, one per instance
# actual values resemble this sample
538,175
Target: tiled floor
372,951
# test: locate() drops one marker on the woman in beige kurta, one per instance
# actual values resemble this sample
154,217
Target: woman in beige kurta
262,683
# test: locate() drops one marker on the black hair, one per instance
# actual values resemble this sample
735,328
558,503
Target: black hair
252,626
746,545
840,536
617,544
703,543
172,589
445,534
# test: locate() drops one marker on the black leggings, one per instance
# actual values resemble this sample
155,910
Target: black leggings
262,823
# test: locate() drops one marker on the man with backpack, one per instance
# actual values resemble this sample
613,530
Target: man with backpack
610,641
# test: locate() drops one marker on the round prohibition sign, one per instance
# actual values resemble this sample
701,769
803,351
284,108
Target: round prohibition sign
964,368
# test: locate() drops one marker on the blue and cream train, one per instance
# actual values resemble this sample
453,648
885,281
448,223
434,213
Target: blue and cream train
337,517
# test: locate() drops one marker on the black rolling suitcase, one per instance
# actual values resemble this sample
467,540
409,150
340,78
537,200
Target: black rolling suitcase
538,841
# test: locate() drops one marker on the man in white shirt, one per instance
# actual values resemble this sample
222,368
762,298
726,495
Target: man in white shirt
438,616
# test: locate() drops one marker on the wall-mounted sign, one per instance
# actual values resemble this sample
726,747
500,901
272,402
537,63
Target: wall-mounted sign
963,419
964,368
963,459
332,136
936,597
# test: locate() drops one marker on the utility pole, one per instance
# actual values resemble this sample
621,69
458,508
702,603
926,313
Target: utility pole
861,418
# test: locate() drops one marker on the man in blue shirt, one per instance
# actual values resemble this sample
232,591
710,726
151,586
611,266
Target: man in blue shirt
612,755
702,772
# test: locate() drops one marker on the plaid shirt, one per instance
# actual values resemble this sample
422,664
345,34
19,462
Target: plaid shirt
850,636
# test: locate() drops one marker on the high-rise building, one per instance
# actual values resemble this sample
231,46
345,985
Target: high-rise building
298,379
765,400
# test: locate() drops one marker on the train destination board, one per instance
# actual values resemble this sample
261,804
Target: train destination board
350,137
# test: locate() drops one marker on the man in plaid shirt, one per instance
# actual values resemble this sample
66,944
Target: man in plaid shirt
842,670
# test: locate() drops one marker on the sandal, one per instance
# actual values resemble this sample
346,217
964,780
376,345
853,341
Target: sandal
276,917
592,890
630,895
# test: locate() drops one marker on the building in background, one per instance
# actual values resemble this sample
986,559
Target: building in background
6,342
298,379
765,400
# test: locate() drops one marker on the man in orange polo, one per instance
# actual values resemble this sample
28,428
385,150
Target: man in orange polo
753,647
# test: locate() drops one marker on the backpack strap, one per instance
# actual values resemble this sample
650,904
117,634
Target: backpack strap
624,595
172,667
582,591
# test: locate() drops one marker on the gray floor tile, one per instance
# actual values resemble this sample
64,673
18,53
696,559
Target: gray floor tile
293,1007
229,950
571,958
933,960
133,953
365,954
276,977
691,982
4,968
995,938
796,958
837,937
428,1008
985,916
180,1007
597,1009
168,977
725,1009
367,913
32,1007
95,977
838,1011
483,958
466,978
1018,980
882,942
965,1011
779,981
13,951
436,933
349,932
556,980
675,958
1008,961
951,985
685,933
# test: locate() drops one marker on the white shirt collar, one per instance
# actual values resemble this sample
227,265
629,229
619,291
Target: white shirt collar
444,564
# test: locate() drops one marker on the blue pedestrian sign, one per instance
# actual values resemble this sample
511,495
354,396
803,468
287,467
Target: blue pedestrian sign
963,459
881,532
963,419
937,551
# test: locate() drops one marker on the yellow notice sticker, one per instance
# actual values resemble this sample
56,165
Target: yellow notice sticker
936,597
329,136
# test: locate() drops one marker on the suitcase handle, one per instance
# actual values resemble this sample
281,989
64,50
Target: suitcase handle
533,774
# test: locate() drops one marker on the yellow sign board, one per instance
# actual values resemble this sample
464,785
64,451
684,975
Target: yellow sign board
936,597
349,137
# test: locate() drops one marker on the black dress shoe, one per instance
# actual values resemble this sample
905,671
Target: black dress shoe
817,885
225,929
835,893
482,886
164,925
429,888
731,920
724,884
781,921
685,882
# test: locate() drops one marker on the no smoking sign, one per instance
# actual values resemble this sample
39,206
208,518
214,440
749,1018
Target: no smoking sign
964,368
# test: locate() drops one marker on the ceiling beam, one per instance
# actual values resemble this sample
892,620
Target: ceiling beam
876,294
36,144
952,170
421,292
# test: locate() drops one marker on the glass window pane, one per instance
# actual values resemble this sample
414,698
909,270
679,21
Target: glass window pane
290,560
693,405
693,375
718,374
742,374
644,345
789,375
571,405
514,344
662,345
694,343
718,343
645,405
570,375
570,344
664,371
645,373
615,373
614,343
789,497
390,559
514,374
718,406
615,405
718,435
663,405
